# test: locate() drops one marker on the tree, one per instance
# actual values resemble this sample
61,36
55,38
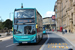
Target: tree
8,24
1,26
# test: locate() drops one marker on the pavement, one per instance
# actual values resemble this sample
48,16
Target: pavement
5,38
68,36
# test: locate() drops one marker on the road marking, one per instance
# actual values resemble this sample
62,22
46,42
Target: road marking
52,46
59,47
55,43
10,45
51,43
65,44
41,48
48,46
59,44
62,46
67,47
55,46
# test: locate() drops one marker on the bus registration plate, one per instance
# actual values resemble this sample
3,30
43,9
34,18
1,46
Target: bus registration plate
24,42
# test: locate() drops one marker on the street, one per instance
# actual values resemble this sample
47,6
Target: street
27,25
56,42
53,42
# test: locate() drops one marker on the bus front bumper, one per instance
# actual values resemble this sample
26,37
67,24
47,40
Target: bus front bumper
21,40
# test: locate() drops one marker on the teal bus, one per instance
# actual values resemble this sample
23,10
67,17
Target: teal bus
44,29
27,26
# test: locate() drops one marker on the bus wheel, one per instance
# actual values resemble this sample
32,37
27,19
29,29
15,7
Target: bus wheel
36,40
20,43
42,37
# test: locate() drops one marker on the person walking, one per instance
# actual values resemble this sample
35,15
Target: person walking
69,30
63,31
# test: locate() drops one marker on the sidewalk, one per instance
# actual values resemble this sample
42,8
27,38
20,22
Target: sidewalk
6,38
68,36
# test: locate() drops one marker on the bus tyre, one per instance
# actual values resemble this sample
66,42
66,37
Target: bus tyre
20,43
36,41
42,37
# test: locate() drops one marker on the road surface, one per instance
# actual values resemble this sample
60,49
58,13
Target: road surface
52,42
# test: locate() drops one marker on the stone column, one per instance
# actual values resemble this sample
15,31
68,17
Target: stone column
74,16
74,22
73,1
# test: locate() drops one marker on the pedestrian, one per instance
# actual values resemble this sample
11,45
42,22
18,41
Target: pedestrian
66,31
69,30
63,31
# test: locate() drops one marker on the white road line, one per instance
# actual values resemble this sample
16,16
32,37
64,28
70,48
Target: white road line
44,43
10,45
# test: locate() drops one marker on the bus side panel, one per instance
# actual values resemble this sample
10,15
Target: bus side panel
39,23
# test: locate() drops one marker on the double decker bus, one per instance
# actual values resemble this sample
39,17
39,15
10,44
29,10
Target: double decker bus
27,26
44,29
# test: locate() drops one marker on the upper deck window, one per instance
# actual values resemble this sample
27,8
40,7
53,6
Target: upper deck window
25,13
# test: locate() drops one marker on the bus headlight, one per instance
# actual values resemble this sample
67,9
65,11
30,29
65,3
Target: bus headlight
15,37
33,38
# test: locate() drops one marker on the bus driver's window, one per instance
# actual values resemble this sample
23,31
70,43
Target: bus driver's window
27,29
33,30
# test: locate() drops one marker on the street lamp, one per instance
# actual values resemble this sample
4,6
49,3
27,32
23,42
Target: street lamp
62,17
50,25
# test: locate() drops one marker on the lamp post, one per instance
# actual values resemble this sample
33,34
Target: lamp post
50,25
62,17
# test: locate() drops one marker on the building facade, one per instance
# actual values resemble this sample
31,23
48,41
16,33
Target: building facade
49,23
65,14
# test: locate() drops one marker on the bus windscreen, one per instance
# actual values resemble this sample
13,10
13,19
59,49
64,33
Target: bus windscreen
25,13
24,29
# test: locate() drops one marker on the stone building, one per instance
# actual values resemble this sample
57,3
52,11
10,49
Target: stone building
49,23
65,13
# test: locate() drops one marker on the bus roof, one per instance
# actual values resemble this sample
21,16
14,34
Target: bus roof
29,8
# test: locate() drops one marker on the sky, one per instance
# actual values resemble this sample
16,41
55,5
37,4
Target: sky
44,7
